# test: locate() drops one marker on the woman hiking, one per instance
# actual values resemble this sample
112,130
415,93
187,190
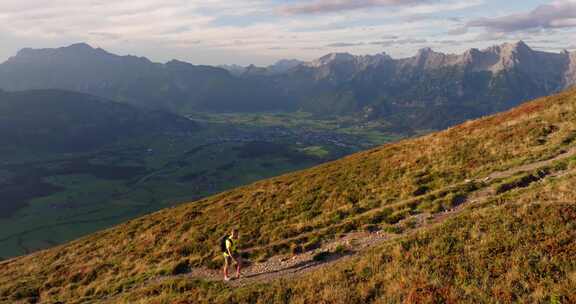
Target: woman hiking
229,248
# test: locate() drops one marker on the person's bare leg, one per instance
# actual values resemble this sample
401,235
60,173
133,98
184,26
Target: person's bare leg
238,267
225,269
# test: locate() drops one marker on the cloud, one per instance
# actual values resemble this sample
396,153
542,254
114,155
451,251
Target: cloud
458,31
388,37
406,41
558,14
104,35
252,31
344,44
331,6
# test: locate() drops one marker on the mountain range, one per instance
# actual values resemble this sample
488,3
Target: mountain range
280,67
430,90
174,86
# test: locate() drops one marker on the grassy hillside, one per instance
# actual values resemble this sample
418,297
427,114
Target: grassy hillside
517,247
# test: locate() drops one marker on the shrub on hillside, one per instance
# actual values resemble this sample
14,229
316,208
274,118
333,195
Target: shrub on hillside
181,267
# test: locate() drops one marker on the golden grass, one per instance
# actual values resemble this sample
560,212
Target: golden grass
518,248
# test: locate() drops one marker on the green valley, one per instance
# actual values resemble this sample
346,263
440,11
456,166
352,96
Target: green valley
51,197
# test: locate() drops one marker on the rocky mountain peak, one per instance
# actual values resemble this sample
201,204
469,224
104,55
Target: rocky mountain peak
341,58
375,59
81,46
471,54
332,58
425,51
176,62
426,58
74,52
284,65
518,48
507,55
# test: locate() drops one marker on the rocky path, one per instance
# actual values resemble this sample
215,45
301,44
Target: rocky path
286,266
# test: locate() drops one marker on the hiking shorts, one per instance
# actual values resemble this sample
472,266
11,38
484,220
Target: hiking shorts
228,259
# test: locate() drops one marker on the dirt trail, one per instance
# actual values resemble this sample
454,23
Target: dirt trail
351,244
532,166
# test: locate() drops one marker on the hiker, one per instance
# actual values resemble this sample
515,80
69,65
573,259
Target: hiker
229,248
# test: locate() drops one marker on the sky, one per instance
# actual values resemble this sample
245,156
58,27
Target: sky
263,31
